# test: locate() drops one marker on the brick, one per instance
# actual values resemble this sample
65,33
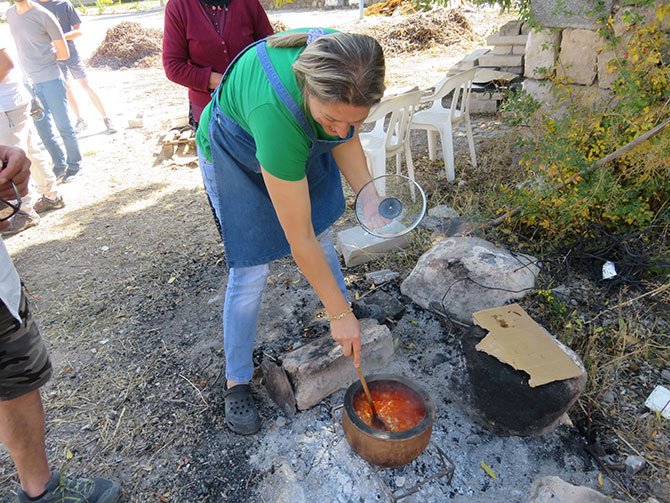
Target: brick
475,55
486,95
319,368
498,60
502,49
511,28
512,69
502,40
358,247
483,106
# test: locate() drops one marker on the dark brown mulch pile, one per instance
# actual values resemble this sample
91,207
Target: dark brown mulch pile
421,31
127,45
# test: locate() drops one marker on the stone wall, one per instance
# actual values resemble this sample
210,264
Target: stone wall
568,45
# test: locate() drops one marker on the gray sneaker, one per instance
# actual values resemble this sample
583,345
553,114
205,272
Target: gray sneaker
20,222
108,124
61,488
44,204
80,125
70,175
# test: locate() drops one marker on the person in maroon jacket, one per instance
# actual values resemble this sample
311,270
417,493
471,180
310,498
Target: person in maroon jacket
200,39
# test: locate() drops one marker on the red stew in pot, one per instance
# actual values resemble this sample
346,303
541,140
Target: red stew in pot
399,407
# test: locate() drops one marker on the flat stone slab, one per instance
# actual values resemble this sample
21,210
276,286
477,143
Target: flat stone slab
358,247
318,369
497,60
506,40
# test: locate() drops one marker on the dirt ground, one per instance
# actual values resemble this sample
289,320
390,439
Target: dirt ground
127,285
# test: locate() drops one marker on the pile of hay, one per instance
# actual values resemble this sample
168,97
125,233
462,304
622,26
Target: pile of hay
391,7
127,45
279,26
421,31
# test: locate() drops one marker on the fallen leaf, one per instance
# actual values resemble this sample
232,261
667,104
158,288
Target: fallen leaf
601,482
488,470
68,454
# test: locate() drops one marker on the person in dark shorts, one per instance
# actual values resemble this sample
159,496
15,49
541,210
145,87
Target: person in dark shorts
25,367
69,21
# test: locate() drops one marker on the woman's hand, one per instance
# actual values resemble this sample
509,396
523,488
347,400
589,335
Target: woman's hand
370,201
214,80
347,333
15,168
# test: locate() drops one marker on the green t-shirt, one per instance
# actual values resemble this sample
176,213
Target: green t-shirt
247,97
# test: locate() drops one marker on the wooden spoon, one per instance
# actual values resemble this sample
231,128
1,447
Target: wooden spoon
377,422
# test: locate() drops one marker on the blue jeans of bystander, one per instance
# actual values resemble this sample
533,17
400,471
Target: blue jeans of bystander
54,100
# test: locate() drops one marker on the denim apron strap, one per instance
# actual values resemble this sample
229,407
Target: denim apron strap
252,234
281,90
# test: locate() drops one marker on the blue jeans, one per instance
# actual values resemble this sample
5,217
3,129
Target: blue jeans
240,310
54,100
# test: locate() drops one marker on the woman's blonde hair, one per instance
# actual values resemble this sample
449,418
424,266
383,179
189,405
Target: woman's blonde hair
338,67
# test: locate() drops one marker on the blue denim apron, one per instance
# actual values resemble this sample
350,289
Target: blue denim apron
252,234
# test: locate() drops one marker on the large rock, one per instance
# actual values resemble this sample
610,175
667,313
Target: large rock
318,369
568,13
499,397
555,490
461,275
541,53
578,57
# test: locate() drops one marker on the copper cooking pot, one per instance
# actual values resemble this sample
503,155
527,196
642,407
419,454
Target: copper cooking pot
387,448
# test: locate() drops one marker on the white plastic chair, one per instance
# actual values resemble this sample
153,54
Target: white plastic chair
438,119
390,137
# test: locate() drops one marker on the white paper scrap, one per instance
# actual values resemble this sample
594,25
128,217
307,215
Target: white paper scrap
609,271
659,401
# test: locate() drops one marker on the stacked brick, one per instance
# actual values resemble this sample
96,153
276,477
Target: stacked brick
506,55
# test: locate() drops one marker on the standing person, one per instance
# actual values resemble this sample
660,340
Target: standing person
202,37
280,130
17,129
70,22
41,44
24,368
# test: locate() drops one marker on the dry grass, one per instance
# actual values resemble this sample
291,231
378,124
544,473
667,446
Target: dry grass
418,32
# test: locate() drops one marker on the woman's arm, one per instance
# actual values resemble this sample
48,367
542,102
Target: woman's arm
262,26
350,159
176,54
292,204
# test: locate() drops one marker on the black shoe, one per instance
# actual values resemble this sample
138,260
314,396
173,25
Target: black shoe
362,310
241,414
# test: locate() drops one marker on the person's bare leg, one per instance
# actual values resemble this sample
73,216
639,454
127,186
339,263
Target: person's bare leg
22,431
95,99
72,101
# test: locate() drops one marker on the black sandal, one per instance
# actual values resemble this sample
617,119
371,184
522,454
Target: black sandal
241,414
